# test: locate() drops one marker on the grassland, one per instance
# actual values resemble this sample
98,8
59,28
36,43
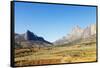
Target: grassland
81,52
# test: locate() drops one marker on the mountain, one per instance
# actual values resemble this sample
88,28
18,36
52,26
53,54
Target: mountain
29,39
89,30
77,34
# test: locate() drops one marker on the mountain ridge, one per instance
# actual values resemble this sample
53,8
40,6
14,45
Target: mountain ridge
29,39
77,33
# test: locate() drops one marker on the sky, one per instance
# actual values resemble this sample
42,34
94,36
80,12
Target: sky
51,21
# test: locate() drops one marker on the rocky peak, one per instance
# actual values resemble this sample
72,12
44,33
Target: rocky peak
76,29
93,29
29,39
78,33
89,30
29,35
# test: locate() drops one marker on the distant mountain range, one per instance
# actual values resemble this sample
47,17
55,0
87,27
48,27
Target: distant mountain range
29,39
77,33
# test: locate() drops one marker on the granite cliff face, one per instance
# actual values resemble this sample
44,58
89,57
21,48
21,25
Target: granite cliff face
89,30
29,39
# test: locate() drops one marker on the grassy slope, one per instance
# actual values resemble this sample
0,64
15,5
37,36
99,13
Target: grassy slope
80,52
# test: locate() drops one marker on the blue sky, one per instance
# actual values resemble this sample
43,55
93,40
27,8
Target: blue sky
51,21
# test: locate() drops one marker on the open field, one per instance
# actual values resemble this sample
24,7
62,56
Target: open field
55,55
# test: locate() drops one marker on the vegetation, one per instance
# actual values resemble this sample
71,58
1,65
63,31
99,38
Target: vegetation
67,53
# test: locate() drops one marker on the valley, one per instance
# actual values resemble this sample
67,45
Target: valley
79,46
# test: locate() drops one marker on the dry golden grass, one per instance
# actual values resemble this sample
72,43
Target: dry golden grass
55,55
